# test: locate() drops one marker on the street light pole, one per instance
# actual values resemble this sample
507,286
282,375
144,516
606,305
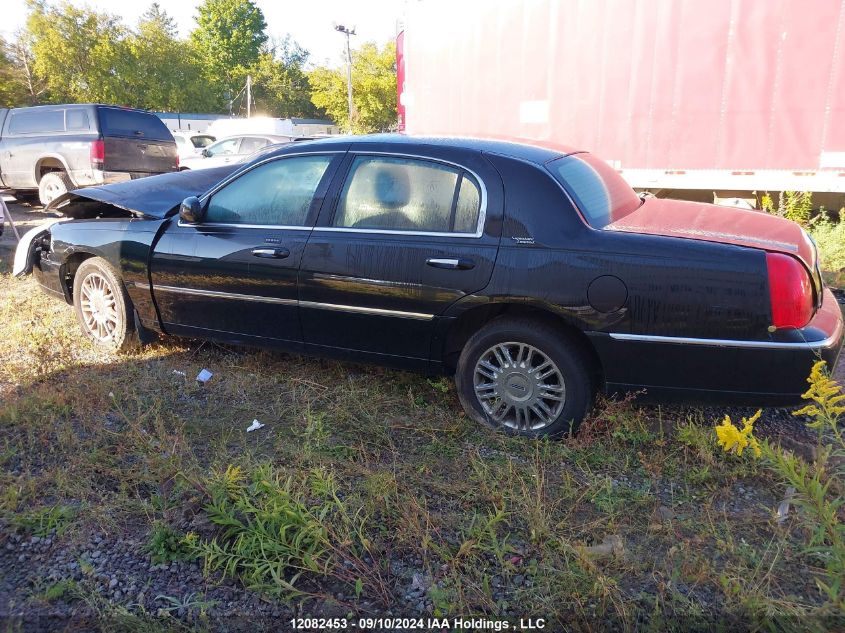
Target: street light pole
342,29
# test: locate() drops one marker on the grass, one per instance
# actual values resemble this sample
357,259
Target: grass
366,480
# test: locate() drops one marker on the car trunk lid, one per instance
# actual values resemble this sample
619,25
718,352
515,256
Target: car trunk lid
711,223
727,225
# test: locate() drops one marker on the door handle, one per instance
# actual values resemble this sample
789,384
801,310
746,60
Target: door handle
453,263
272,253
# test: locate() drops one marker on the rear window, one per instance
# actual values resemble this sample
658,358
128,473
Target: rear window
37,121
599,192
117,122
202,141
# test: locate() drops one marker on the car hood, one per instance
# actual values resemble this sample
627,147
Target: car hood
712,223
152,197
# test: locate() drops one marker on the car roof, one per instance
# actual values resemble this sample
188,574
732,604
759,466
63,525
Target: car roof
532,151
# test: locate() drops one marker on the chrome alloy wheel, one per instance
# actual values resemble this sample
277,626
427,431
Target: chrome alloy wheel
99,307
518,386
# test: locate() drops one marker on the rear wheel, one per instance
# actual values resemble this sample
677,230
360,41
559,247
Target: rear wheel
52,185
102,305
525,378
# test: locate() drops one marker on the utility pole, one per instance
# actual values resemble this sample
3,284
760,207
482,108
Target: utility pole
248,95
342,29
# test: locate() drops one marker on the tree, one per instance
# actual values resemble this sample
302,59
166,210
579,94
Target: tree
80,53
165,72
228,40
280,85
33,88
11,89
373,90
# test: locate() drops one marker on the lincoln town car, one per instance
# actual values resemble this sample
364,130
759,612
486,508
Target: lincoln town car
533,274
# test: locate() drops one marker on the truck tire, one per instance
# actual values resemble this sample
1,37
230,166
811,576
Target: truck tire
525,377
103,308
52,185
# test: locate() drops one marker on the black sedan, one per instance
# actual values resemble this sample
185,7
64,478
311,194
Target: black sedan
536,276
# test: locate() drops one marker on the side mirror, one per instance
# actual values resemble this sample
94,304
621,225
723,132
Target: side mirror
206,153
191,210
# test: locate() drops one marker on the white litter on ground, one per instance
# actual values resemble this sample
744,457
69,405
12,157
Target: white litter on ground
204,376
254,426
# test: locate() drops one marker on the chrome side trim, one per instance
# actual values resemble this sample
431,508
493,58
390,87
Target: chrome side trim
362,310
271,227
340,229
713,342
216,294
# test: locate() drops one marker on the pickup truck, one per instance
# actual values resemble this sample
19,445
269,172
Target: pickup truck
50,150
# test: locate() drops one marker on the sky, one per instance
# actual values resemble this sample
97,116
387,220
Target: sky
311,23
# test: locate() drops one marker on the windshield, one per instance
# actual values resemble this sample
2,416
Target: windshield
599,192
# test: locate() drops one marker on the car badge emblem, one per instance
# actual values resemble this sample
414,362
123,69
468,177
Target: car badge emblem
523,240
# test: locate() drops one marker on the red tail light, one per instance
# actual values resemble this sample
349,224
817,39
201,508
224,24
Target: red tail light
177,162
98,153
790,291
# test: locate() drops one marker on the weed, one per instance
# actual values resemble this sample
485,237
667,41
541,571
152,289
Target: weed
188,602
818,484
792,205
268,537
44,521
166,544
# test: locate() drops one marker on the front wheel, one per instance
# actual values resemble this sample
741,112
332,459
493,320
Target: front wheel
102,305
525,378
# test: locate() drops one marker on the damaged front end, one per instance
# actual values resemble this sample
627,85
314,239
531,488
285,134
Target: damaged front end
33,243
153,198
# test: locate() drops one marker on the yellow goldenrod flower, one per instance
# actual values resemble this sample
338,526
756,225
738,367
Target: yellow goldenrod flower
732,439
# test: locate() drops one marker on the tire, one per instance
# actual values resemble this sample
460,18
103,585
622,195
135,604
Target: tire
525,401
52,185
103,308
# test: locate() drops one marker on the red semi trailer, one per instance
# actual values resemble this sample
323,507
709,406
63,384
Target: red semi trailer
717,95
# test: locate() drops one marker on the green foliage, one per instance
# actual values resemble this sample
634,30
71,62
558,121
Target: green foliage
229,40
12,89
166,544
280,85
44,521
269,536
792,205
829,236
73,53
166,73
373,90
81,54
818,483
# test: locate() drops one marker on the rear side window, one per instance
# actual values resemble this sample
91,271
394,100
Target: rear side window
599,192
278,193
118,122
37,121
251,144
402,194
228,146
76,120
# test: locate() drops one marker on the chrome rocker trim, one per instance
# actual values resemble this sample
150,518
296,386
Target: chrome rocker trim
216,294
713,342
